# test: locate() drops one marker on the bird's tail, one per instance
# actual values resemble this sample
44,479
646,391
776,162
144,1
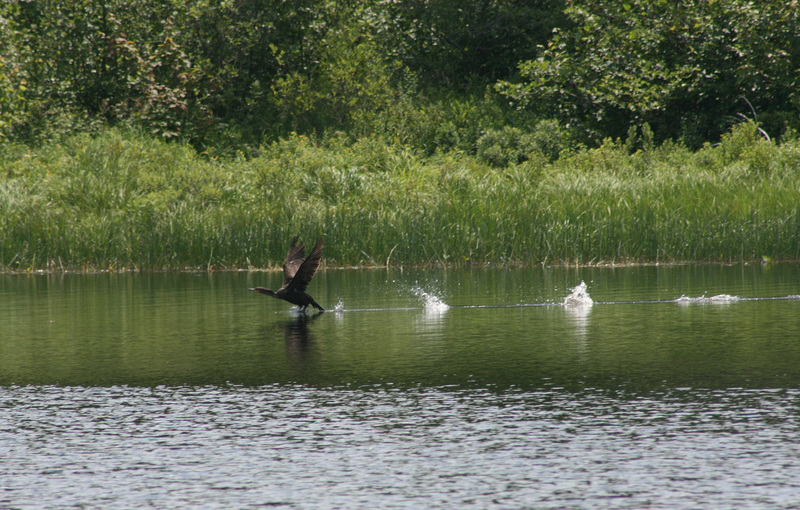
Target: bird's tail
316,305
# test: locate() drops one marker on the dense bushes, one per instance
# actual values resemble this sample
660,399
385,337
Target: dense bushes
173,133
230,76
689,69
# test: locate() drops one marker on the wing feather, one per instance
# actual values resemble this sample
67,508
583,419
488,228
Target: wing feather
294,259
305,272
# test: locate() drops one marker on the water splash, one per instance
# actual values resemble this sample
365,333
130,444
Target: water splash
578,297
339,307
430,302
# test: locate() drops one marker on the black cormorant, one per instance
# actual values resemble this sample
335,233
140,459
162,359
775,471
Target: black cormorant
298,270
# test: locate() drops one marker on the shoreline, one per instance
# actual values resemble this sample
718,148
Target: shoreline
327,267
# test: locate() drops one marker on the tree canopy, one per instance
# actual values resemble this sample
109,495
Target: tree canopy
437,75
686,68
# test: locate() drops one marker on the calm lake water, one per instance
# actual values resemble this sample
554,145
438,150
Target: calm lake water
649,387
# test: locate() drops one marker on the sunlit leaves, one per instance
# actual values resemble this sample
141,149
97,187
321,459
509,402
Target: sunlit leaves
682,67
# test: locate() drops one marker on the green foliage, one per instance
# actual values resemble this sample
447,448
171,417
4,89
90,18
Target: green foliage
229,76
234,75
372,123
79,60
124,199
350,83
440,120
682,67
510,145
177,68
447,40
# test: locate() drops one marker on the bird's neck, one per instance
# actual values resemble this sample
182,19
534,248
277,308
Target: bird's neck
262,290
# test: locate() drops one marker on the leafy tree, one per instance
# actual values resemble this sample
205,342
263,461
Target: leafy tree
101,60
454,42
686,68
345,88
243,48
178,67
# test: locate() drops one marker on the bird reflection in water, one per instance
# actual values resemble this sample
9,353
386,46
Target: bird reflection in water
297,336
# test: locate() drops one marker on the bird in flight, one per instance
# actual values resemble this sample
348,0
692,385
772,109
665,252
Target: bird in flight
298,270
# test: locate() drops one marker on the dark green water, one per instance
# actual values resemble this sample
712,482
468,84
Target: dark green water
679,387
197,329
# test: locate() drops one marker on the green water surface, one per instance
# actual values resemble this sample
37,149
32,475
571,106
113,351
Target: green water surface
482,327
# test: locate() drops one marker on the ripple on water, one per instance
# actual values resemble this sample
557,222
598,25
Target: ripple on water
301,447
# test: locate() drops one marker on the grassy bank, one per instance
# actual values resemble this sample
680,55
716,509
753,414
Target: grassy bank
125,201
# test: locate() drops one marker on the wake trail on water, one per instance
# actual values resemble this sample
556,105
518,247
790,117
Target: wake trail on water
431,303
577,298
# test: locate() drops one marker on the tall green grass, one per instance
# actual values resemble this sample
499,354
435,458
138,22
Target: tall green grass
126,201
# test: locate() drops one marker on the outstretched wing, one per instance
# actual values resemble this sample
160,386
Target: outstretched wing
307,269
294,259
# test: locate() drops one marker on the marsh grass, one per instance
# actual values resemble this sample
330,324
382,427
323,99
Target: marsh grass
126,201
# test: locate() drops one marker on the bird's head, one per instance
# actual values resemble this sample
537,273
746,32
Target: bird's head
262,290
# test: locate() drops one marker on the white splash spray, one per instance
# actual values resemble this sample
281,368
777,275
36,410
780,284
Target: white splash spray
578,297
430,302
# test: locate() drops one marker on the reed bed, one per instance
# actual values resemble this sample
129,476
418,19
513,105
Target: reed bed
123,201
